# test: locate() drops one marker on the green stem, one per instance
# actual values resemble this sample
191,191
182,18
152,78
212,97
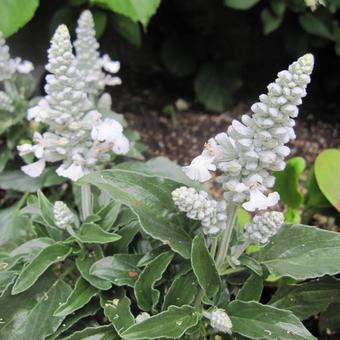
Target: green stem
86,200
213,246
226,236
240,250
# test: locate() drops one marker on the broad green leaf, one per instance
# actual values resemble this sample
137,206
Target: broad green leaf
307,299
314,23
93,233
150,199
302,252
169,324
127,234
204,268
94,333
120,269
89,310
29,315
6,279
46,209
119,313
161,167
82,293
147,296
215,87
100,23
252,264
240,4
256,321
108,215
44,259
32,247
84,262
136,10
272,17
315,199
252,289
287,182
15,13
327,177
16,180
128,29
183,291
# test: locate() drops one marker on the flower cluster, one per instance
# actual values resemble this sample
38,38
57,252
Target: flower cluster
254,146
198,206
62,215
77,135
263,227
89,63
219,320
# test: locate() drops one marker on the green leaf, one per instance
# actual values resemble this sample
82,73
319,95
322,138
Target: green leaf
44,259
119,313
240,4
120,269
256,321
93,233
136,10
29,315
252,289
147,296
127,234
287,182
329,321
215,87
15,14
32,247
204,267
328,179
128,29
6,279
84,263
307,299
100,23
94,333
16,180
46,209
150,199
82,293
169,324
302,252
108,215
182,291
272,18
317,25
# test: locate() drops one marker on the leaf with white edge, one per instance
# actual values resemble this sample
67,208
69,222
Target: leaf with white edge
93,233
183,291
136,10
240,4
82,293
119,313
256,321
302,252
127,234
120,269
46,209
32,246
29,315
287,182
309,298
147,296
252,289
6,279
328,179
150,199
84,262
109,215
106,332
15,14
204,268
44,259
172,323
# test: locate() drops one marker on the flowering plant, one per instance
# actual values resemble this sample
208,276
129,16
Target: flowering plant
145,252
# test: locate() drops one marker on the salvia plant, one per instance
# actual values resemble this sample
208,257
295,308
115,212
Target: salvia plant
144,252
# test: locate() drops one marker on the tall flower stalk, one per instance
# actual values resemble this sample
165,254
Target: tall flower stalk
249,151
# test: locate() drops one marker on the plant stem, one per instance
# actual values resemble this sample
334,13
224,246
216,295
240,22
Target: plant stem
226,236
240,250
86,200
213,246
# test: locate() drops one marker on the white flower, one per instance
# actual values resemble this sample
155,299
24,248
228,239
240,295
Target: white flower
108,130
22,66
219,320
121,145
142,317
25,149
313,4
110,65
34,169
73,172
62,215
6,102
200,167
40,112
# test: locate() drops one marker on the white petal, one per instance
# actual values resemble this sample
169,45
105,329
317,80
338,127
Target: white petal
112,81
23,66
108,130
121,145
259,200
25,149
200,167
73,172
34,169
110,65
